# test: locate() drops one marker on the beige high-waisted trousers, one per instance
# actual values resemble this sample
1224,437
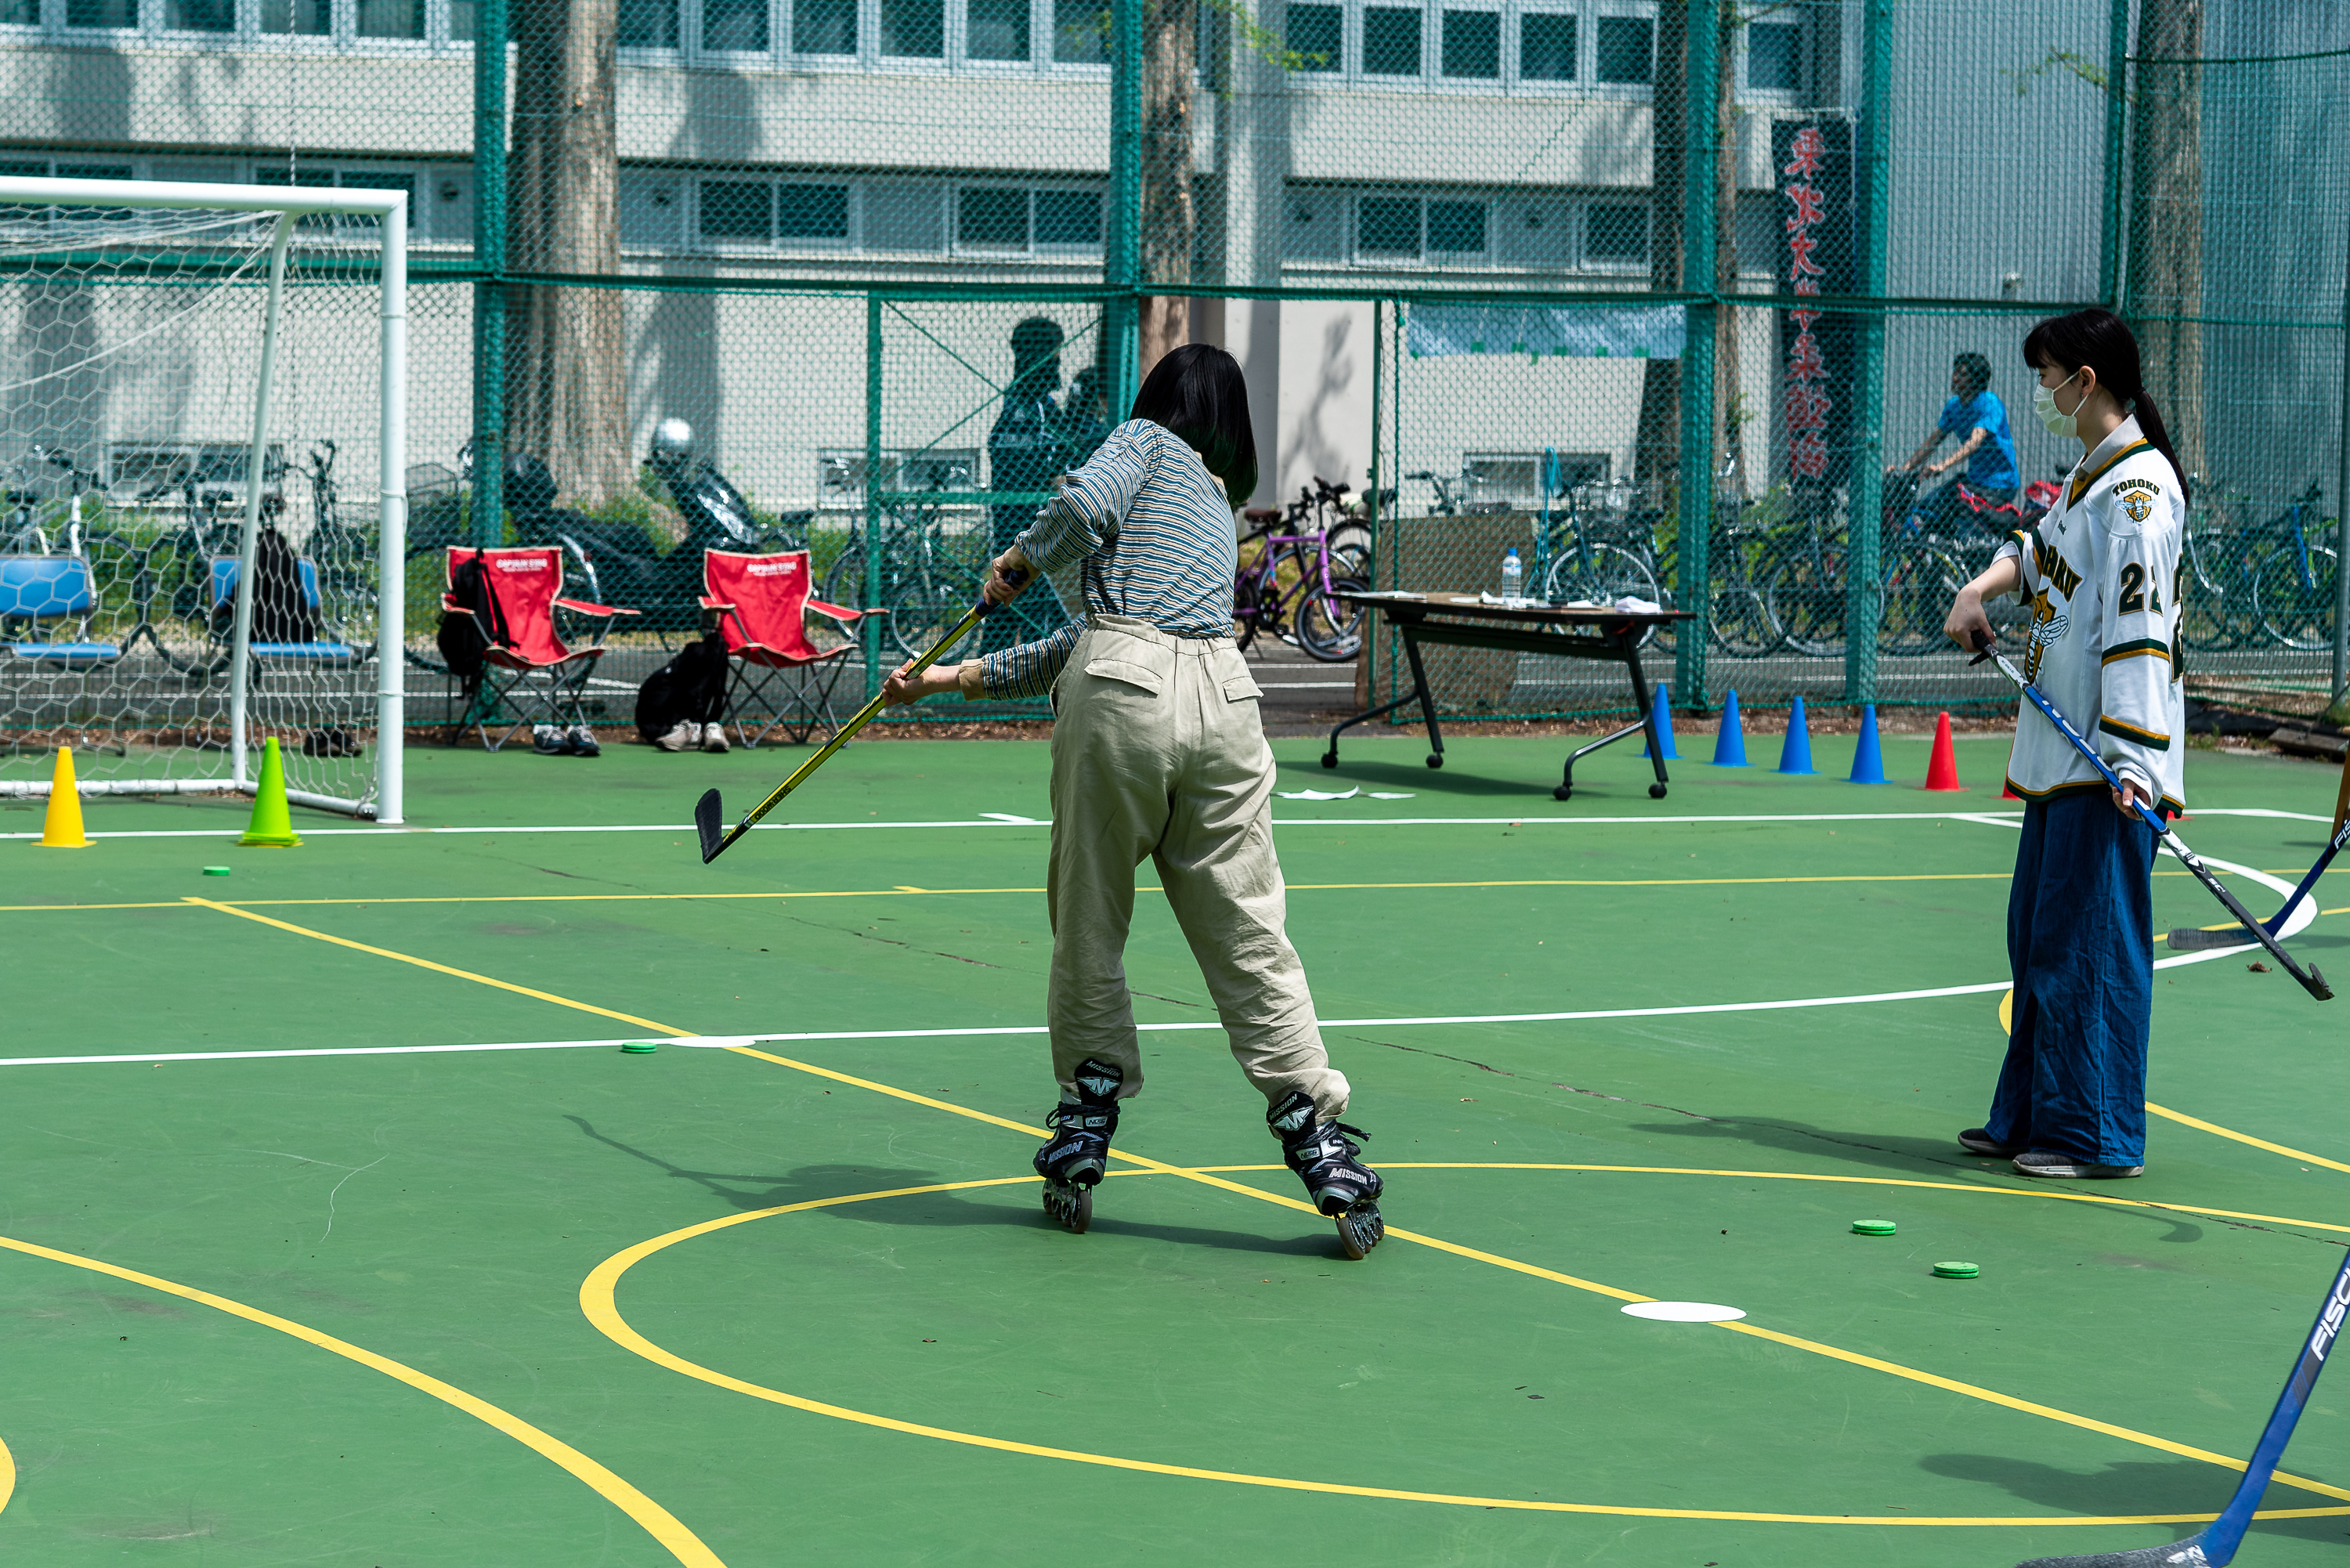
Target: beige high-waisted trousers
1159,754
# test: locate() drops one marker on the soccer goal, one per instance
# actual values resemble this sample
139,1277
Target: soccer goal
202,417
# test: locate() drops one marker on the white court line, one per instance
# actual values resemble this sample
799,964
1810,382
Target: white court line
1006,819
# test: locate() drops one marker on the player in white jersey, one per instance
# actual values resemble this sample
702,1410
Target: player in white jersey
2101,574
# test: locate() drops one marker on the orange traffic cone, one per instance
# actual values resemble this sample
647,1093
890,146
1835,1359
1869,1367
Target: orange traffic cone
61,828
1942,771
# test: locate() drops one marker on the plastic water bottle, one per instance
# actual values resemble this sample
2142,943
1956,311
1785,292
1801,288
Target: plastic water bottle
1512,576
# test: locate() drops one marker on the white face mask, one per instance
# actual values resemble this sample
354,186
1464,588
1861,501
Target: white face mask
2044,407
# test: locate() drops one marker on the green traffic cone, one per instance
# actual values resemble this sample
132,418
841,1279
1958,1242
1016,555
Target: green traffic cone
272,826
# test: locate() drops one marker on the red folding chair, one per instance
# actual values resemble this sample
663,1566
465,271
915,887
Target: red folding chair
762,605
527,662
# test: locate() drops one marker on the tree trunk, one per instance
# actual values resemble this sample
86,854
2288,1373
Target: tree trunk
1656,442
564,400
1169,217
1730,412
2166,231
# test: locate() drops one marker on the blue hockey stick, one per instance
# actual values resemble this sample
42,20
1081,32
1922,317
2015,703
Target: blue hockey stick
2311,981
2216,1542
2191,939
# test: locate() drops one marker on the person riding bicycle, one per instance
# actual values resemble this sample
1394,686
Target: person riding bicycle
1987,447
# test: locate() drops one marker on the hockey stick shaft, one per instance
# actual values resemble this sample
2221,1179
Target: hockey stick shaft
2221,1535
2311,981
2228,936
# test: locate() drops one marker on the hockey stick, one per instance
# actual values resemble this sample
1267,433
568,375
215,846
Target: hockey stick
2311,981
709,818
2197,939
2215,1544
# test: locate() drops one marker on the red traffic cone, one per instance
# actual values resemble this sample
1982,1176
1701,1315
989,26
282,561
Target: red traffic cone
1942,771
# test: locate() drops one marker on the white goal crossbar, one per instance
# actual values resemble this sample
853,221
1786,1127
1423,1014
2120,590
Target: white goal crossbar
390,209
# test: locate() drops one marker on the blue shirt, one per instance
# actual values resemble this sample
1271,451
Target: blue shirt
1992,466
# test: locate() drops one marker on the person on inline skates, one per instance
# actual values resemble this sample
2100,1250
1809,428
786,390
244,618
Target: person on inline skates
1159,754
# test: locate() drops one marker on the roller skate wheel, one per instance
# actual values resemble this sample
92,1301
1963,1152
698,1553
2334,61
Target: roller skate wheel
1360,1228
1071,1207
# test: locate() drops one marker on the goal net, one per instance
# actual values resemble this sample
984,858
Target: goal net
201,433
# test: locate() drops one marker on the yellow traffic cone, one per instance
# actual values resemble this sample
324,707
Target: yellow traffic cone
61,829
272,826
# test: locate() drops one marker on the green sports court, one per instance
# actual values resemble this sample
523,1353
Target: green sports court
341,1229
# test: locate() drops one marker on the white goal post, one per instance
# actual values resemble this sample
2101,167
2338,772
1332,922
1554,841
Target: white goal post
117,250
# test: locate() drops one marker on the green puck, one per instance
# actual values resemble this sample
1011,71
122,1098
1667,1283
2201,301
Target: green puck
1872,1227
640,1047
1955,1271
215,870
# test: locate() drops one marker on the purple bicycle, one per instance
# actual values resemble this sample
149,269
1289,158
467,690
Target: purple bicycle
1288,584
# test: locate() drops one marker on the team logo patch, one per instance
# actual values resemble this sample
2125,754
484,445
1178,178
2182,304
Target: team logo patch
2048,627
2137,498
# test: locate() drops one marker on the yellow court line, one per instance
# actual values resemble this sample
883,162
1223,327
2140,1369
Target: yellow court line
598,1303
2214,1127
7,1475
1439,1244
657,1522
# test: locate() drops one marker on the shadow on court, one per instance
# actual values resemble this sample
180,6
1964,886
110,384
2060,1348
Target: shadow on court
1011,1206
2136,1487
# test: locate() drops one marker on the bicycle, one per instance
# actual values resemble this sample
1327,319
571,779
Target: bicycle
1286,584
2293,584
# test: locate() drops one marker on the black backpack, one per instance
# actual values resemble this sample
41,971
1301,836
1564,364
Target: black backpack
691,687
464,638
282,612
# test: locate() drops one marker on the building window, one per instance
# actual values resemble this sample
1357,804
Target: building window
1473,45
1545,47
1317,36
647,25
1390,41
730,27
737,209
989,218
391,18
1388,227
101,13
812,212
914,30
1081,32
199,16
1069,220
996,29
1616,235
1627,50
1457,228
1775,57
824,26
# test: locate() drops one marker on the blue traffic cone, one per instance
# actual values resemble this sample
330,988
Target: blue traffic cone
1868,758
1729,746
1796,756
1661,714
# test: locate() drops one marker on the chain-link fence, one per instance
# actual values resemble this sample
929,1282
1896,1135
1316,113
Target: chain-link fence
1655,293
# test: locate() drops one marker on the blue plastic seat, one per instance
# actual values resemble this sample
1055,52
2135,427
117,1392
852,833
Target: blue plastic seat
224,575
53,588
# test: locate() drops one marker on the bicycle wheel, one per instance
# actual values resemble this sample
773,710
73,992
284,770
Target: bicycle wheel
1919,585
844,580
1331,629
1349,544
923,610
1804,600
1603,574
2295,604
114,569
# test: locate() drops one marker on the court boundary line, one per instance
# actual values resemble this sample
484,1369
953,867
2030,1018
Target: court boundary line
656,1522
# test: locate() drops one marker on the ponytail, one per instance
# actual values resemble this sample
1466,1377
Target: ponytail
2098,340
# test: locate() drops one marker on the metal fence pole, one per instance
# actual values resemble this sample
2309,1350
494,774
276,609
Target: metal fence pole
1122,249
1863,569
2335,710
873,482
1699,116
490,258
2110,238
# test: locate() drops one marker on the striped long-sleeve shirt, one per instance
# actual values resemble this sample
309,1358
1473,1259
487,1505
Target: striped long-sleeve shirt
1146,531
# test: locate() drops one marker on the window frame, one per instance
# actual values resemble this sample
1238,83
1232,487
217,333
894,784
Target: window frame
1597,11
1786,98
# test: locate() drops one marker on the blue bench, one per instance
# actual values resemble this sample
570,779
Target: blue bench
224,575
53,588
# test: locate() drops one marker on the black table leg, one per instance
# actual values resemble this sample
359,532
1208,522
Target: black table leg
1330,757
1648,717
1426,703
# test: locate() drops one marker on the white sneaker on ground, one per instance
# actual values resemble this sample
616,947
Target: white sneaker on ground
713,738
684,736
550,740
584,743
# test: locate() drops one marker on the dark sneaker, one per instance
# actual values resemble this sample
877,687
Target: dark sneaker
2048,1162
1074,1158
550,740
1974,1140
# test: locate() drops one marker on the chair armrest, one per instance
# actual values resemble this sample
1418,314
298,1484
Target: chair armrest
838,612
451,607
583,607
711,604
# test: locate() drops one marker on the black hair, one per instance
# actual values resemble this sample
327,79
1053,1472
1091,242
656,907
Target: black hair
2097,339
1035,354
1198,392
1975,368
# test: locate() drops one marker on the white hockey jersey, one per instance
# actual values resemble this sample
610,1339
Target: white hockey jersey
2101,575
